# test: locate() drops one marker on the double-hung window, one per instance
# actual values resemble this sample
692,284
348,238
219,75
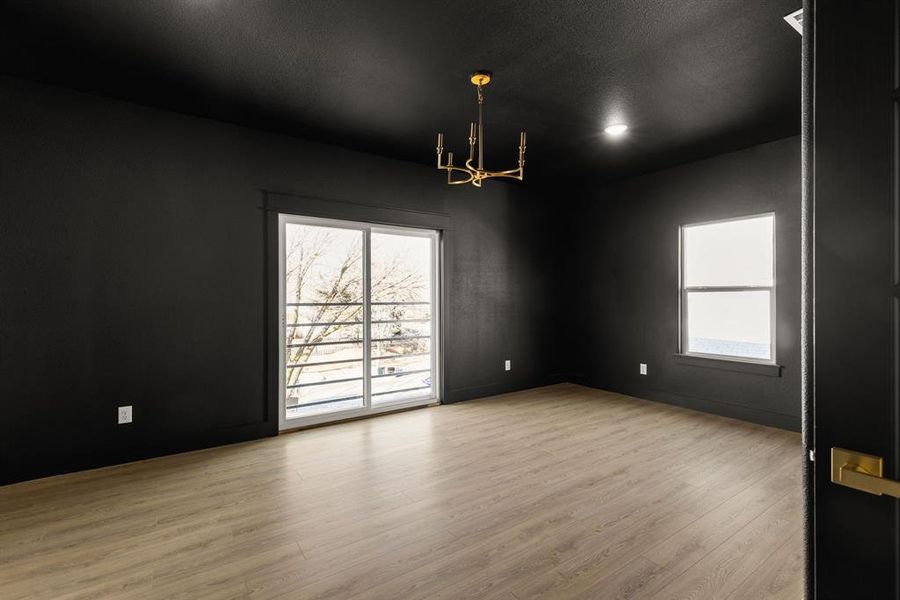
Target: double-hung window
728,289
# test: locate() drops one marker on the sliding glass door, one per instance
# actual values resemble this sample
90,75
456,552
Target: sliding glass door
359,319
401,313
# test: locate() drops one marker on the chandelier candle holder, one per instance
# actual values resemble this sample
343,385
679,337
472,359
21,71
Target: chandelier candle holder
470,172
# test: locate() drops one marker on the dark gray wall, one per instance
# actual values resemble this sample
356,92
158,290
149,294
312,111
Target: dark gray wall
133,272
625,274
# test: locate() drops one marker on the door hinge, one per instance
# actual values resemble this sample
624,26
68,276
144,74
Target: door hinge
812,455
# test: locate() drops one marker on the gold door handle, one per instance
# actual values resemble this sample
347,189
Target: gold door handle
861,472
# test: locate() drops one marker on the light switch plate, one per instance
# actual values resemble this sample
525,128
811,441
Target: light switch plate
508,365
643,368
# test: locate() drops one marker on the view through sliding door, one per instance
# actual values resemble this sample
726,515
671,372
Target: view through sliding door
359,317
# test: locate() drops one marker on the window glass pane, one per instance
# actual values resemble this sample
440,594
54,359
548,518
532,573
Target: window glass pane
323,265
401,386
729,324
324,396
323,319
401,317
733,253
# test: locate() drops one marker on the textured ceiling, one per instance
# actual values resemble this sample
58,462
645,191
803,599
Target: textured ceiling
691,77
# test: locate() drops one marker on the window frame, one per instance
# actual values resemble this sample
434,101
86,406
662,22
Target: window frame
683,292
434,395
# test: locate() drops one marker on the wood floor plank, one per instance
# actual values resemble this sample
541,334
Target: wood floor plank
725,570
556,492
776,578
641,577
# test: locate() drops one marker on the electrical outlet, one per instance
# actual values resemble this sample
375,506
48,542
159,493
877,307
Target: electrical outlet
643,368
507,365
124,414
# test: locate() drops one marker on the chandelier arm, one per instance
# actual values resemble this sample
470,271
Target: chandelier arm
482,174
512,174
468,173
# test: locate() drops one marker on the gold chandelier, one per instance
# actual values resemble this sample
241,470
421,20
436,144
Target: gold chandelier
471,173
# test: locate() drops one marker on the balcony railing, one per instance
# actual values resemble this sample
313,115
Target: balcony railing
349,361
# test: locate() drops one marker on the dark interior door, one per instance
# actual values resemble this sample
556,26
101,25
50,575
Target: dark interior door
857,280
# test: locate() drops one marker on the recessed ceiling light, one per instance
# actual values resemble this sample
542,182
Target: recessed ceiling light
616,130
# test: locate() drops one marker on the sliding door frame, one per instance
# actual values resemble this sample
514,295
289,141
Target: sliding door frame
434,395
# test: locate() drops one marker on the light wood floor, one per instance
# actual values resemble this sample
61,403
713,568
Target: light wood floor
559,492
